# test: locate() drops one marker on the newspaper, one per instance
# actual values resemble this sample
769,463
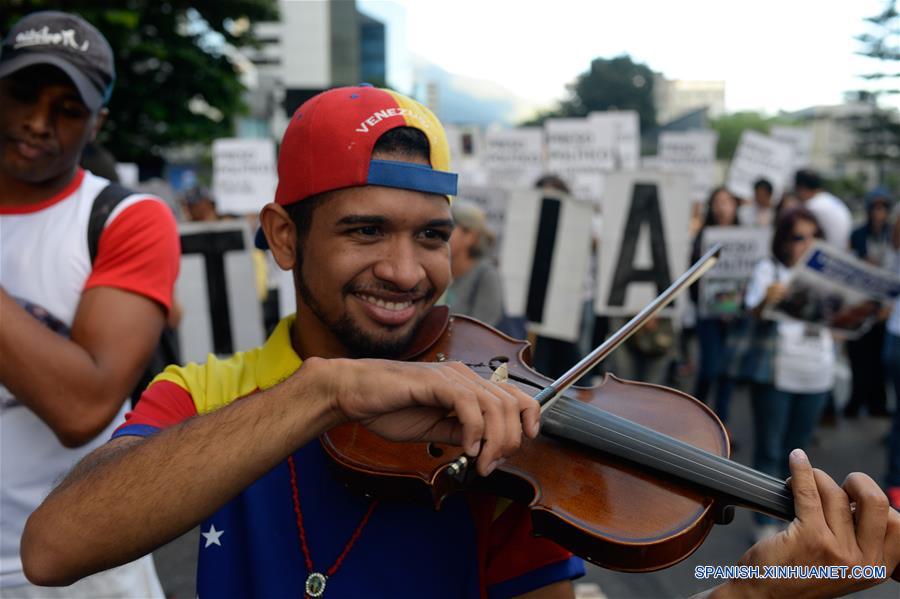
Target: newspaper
833,288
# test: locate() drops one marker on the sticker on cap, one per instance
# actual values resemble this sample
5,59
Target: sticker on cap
43,37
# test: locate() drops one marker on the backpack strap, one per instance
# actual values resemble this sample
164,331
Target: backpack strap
105,202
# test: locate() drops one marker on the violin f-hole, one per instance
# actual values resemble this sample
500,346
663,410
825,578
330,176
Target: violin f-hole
433,450
497,361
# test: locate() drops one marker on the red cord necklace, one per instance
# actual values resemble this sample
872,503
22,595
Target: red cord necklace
315,582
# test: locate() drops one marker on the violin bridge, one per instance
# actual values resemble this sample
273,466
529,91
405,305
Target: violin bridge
501,374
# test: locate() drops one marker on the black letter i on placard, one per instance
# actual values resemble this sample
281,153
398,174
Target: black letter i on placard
544,245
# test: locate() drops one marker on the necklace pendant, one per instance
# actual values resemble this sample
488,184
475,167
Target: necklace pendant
315,584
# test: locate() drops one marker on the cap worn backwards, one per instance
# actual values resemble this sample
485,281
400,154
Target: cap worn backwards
329,142
67,42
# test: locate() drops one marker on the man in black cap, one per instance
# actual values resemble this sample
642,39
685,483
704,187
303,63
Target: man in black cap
86,280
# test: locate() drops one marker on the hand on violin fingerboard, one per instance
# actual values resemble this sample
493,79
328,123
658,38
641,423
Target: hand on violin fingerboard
827,531
440,402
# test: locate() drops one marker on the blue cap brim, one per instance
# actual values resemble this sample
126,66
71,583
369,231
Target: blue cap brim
416,177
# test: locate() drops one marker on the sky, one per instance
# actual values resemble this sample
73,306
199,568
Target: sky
772,55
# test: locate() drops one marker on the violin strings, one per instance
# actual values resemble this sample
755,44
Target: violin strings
744,489
680,445
747,488
652,434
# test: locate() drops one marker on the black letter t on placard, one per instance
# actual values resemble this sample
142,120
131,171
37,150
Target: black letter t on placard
213,246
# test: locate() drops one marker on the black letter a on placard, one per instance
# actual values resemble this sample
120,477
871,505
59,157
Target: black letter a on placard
644,209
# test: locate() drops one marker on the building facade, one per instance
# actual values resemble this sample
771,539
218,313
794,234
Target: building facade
675,97
317,45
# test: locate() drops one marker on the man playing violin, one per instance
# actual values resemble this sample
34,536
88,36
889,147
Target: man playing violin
361,216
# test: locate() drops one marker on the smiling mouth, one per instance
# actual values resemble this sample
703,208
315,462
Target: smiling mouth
393,306
389,312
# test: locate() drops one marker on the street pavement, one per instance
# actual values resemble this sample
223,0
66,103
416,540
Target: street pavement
851,445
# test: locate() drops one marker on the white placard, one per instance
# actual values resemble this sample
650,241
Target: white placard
466,147
759,155
217,290
644,243
587,186
722,287
514,158
578,145
692,152
625,128
543,261
801,140
465,143
244,174
651,163
580,151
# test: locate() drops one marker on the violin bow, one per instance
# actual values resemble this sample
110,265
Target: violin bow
549,394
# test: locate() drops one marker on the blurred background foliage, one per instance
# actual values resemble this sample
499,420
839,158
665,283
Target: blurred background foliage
175,80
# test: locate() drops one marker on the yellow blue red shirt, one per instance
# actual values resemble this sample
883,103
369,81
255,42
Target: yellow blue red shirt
473,547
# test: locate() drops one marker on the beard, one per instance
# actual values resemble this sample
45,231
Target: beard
358,343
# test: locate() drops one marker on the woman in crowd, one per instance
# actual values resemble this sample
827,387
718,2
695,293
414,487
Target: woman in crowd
786,409
712,330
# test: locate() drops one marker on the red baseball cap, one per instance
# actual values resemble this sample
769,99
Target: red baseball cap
329,141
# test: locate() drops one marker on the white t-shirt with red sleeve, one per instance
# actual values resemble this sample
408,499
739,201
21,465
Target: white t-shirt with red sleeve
45,265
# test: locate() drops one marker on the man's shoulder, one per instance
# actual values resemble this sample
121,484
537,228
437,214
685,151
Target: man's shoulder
825,199
121,196
216,382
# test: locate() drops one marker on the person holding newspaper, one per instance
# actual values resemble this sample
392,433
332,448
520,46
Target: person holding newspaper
788,401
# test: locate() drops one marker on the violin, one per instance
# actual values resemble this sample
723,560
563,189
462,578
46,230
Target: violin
628,475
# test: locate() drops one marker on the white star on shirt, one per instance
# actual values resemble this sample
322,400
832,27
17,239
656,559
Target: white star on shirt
212,537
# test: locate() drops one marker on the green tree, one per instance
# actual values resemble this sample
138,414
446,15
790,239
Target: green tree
878,132
610,84
731,126
880,43
174,81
